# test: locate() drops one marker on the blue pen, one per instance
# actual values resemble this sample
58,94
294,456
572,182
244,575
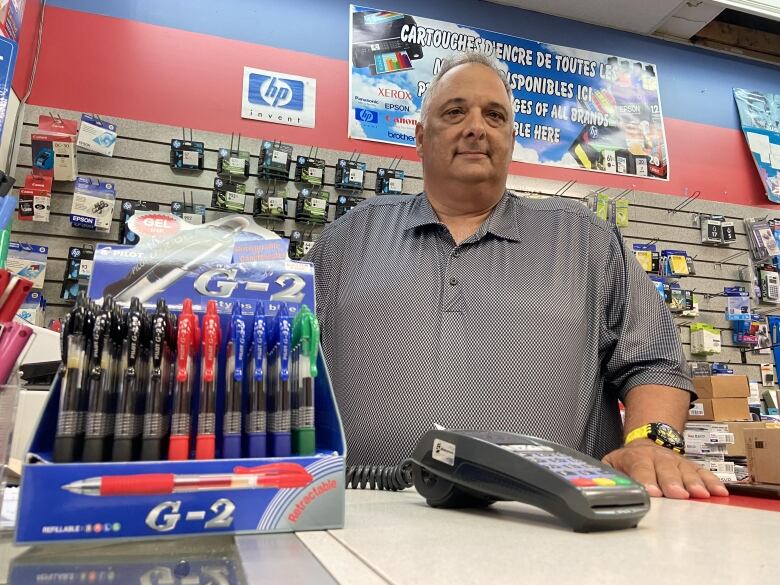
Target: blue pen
279,404
234,386
256,417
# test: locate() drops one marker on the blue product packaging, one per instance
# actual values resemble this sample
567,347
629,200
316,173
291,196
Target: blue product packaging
245,270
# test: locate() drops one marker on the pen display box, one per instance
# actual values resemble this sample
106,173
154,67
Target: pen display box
231,261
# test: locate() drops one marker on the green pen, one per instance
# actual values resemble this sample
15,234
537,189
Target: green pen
306,332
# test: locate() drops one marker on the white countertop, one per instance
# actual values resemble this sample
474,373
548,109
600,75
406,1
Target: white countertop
403,541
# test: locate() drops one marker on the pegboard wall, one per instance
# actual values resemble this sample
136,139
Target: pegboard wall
140,171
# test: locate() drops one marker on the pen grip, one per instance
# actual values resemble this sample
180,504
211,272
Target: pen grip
135,485
205,447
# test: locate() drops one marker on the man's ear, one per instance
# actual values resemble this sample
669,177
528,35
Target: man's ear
418,135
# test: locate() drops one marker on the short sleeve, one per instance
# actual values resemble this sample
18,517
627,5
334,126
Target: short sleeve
639,342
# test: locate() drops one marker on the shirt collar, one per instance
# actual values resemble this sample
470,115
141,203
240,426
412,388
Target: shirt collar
501,222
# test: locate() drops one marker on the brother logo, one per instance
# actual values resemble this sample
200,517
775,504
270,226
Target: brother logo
277,92
399,136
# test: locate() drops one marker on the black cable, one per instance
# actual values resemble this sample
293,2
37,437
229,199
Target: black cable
392,478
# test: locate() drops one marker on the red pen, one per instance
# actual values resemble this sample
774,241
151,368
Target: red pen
207,408
271,476
181,419
13,296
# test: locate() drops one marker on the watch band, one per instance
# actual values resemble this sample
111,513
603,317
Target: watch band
655,432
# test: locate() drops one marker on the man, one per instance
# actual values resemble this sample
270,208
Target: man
472,308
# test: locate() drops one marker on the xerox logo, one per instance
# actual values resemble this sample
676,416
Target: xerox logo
399,94
368,116
274,91
399,136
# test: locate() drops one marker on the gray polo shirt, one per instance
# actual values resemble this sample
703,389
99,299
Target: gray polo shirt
536,324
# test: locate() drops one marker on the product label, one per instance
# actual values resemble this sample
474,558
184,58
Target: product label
395,185
314,172
275,203
697,409
443,451
279,157
355,176
318,203
189,158
641,167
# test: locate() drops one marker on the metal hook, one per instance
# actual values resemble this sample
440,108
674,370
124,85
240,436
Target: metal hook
687,201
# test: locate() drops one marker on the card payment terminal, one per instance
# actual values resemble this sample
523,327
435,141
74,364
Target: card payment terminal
461,469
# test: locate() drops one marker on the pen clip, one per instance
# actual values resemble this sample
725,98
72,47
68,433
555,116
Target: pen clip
185,340
211,338
259,341
285,337
238,330
284,467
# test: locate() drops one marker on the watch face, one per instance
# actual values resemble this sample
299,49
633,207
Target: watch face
667,434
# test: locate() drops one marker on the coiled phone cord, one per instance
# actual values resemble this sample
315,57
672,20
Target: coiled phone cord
380,477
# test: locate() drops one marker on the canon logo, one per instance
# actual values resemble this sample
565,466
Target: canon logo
402,121
399,94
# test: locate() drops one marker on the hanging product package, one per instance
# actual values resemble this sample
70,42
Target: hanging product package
93,204
54,148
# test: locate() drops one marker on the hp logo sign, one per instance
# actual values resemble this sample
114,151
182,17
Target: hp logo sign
368,116
277,92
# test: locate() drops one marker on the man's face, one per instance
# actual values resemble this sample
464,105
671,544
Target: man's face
468,135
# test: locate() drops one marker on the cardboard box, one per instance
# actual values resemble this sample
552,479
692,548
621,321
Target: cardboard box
738,448
763,451
722,409
722,386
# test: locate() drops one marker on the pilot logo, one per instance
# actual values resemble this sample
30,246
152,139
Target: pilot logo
277,92
367,116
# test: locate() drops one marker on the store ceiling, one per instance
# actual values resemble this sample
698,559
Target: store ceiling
744,27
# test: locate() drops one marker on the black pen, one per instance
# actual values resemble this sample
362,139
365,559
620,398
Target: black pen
155,415
126,423
101,407
234,386
66,440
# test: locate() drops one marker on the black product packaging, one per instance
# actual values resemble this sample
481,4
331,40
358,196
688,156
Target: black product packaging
309,170
187,155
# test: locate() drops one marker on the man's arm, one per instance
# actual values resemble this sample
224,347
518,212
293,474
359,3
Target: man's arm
659,469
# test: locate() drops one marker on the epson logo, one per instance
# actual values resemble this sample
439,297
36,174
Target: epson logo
397,107
399,94
277,92
630,109
399,136
82,219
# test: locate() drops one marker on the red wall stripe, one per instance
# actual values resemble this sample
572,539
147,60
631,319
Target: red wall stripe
125,68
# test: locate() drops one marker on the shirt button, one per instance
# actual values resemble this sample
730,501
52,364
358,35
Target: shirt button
456,254
453,281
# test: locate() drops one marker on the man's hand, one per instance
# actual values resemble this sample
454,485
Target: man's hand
664,472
